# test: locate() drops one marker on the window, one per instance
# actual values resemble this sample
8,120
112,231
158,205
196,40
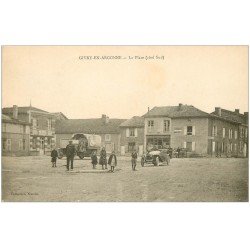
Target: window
189,130
235,147
214,132
213,146
107,137
49,122
189,146
34,140
34,123
131,132
230,133
222,147
223,133
246,133
24,144
6,144
150,125
235,134
231,147
166,126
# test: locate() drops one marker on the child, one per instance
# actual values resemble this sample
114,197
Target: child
134,159
112,161
94,159
54,156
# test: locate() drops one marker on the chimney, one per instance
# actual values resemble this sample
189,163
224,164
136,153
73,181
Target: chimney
218,111
148,109
15,111
105,119
180,106
237,111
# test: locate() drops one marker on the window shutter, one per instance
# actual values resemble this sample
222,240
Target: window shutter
185,130
193,146
193,130
184,144
127,132
135,132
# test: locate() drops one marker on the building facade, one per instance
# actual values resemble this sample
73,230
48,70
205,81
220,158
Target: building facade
230,133
15,137
107,128
132,135
42,129
198,132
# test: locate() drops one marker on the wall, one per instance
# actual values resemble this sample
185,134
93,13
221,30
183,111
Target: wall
219,139
15,132
200,138
177,139
139,140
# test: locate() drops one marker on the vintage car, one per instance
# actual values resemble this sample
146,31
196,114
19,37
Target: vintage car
85,145
155,157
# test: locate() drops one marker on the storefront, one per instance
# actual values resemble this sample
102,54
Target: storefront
158,142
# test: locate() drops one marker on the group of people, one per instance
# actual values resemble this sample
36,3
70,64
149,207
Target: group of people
112,160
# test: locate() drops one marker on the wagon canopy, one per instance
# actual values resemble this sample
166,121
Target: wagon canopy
94,141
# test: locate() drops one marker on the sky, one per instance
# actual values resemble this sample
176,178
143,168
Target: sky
62,79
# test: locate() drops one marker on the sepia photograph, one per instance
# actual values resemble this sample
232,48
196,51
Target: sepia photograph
125,124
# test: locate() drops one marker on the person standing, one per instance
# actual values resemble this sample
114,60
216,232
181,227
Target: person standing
94,159
112,161
103,158
70,153
178,152
134,159
54,156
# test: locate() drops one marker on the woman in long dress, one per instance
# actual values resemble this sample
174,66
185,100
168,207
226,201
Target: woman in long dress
103,158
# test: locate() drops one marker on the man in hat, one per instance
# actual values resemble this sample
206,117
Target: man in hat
70,153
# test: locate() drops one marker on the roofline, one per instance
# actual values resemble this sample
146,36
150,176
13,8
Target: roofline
131,126
224,119
60,133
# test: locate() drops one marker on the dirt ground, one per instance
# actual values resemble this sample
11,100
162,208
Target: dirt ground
206,179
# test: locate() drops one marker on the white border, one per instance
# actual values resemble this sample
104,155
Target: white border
124,225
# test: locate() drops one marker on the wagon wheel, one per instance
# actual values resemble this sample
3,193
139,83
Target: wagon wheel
81,155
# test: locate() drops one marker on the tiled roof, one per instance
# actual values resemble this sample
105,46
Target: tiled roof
232,116
58,114
88,126
7,119
135,121
9,110
176,112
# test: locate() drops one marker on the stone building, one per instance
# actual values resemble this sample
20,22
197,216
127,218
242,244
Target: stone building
42,130
198,132
132,135
107,128
230,133
15,136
